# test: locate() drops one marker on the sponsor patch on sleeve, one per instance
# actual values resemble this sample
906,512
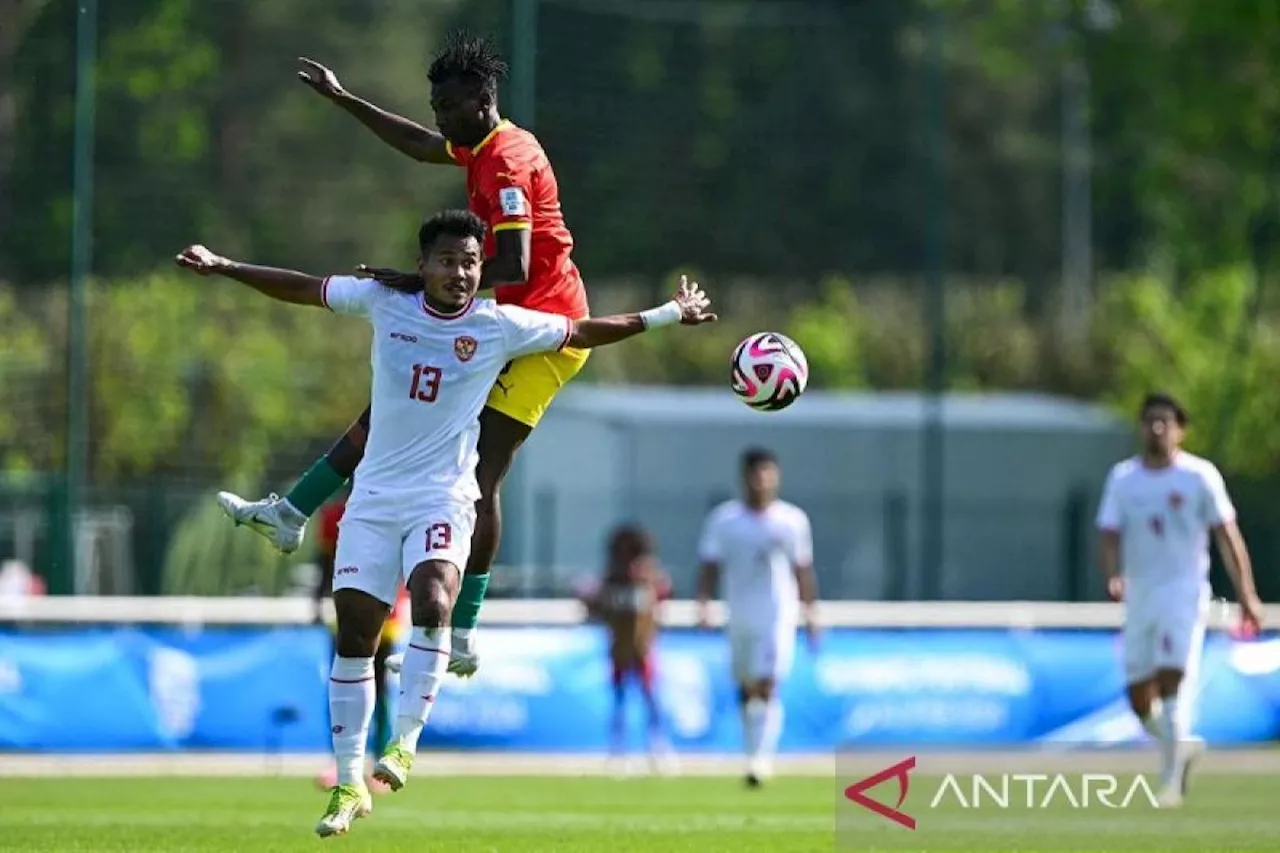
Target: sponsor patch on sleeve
512,201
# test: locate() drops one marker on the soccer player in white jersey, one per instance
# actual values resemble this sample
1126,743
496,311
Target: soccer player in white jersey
761,549
1155,517
435,357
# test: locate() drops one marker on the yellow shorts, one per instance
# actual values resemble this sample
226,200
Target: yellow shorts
527,385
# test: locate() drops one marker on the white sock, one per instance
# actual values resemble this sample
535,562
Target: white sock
1151,722
352,693
771,729
753,721
1171,735
426,660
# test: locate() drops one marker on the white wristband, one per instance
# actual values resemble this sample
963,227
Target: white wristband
663,315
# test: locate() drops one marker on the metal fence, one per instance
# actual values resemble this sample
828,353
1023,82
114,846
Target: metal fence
930,167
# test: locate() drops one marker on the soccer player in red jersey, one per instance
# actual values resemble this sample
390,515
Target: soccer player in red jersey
512,187
628,602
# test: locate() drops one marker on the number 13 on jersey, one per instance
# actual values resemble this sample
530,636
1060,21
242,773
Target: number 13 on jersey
426,383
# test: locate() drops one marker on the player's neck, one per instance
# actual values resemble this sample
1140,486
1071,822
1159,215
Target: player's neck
757,504
1159,461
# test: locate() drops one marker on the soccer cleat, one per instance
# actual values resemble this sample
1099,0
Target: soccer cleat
392,768
463,660
663,762
1169,797
347,804
275,519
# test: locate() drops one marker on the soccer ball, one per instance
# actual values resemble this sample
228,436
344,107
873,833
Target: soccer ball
769,371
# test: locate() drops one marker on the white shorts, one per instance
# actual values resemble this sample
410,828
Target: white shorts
1163,629
766,651
381,538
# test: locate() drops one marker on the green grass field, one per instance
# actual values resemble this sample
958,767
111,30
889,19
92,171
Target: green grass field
600,815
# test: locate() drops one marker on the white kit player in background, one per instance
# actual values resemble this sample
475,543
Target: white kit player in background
435,355
1154,520
761,549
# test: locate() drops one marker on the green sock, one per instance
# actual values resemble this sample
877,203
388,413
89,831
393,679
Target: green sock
315,487
466,612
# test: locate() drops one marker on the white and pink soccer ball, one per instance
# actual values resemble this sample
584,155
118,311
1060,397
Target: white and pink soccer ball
769,371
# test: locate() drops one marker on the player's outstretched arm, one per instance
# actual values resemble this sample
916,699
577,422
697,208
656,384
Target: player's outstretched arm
689,308
406,136
284,285
1235,558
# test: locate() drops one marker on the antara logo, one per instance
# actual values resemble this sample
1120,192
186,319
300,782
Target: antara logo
401,336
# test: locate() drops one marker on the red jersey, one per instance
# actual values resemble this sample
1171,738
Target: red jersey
329,518
628,604
510,185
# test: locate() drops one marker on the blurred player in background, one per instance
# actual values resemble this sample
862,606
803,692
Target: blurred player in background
511,186
628,601
761,548
1156,513
393,633
435,356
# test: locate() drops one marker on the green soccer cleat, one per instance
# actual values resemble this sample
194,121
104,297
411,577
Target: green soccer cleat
392,768
347,804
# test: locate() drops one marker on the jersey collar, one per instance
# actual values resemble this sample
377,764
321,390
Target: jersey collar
501,126
440,315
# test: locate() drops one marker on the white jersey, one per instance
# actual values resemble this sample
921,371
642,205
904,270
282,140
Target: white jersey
757,553
1164,516
432,373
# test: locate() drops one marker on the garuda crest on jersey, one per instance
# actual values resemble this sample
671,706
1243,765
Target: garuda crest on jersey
464,347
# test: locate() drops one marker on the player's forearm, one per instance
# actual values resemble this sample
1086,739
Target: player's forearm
602,331
406,136
807,585
1235,559
285,285
1109,553
706,583
504,270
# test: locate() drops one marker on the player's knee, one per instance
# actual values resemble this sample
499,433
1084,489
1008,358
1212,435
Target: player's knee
360,619
1168,682
433,587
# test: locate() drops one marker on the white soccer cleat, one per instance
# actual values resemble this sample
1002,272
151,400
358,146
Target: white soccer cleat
1169,797
663,762
463,660
274,518
347,804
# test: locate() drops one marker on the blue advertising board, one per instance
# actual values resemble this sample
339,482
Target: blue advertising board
541,689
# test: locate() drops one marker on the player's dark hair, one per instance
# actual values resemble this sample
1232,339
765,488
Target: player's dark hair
1164,400
754,457
453,223
630,541
473,59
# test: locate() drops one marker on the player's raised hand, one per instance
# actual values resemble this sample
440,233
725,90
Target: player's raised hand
319,78
693,302
199,259
405,282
